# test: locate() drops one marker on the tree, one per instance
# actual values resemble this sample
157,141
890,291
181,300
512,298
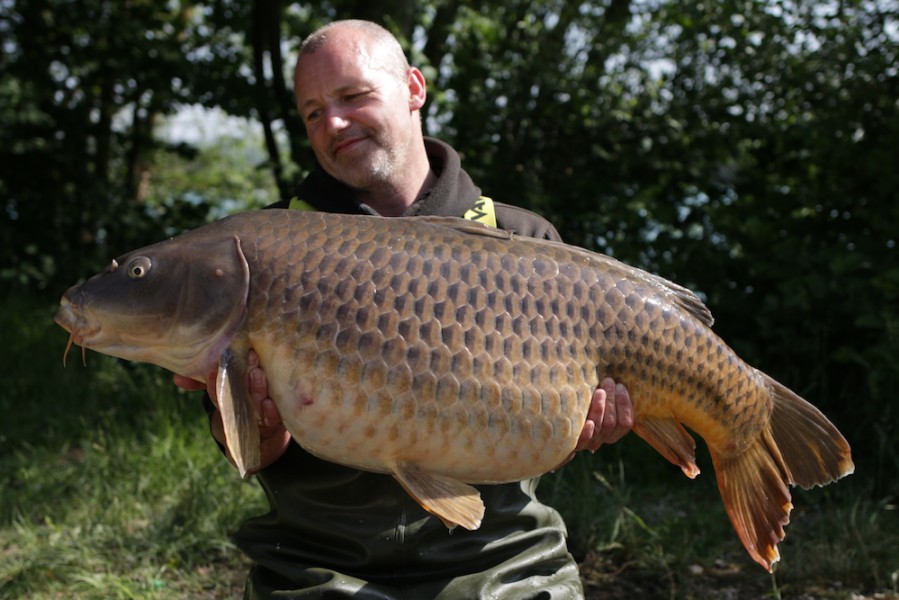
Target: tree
744,149
85,83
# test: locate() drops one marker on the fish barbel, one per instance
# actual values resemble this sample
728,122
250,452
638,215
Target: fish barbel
448,353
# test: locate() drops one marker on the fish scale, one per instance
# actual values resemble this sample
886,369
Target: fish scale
447,353
450,346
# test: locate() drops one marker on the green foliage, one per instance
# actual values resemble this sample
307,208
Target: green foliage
110,484
86,80
744,149
218,178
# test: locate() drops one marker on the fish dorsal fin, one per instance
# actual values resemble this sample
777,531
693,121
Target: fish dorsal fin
454,502
687,300
465,226
691,302
677,294
673,292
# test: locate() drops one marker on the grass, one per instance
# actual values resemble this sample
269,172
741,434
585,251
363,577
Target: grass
111,487
640,527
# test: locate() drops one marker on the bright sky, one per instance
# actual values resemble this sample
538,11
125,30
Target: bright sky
195,124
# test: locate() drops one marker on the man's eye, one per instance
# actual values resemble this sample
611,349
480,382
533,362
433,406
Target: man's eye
312,116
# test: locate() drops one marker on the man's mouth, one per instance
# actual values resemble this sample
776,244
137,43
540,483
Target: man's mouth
346,144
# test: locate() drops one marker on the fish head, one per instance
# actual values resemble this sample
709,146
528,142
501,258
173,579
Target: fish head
176,304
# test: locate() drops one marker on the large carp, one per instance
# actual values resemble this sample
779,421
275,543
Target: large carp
447,353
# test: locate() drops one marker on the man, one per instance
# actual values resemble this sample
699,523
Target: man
339,532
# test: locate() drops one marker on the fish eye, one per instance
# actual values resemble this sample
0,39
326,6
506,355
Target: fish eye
139,267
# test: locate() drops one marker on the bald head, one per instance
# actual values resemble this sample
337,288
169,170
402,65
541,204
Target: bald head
369,38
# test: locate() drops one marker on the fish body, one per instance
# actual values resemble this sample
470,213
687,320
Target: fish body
448,353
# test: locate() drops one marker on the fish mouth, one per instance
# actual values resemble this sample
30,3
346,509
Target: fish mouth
81,329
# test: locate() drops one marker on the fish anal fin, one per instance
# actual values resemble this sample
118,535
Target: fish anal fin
451,500
238,417
671,440
753,487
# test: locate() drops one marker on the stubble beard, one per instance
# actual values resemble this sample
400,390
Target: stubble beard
372,172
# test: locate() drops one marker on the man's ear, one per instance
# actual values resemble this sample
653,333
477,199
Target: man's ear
417,89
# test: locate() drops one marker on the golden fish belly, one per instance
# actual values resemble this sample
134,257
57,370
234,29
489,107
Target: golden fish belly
373,415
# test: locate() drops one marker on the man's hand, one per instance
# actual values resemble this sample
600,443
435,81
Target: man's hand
273,436
611,415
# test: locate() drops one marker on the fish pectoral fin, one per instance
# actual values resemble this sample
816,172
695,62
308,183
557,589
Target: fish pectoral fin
454,502
238,417
671,440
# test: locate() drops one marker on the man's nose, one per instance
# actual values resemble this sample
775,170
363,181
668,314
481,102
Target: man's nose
336,120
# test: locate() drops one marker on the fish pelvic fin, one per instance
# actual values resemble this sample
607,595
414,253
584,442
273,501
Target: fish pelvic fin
451,500
671,440
799,446
238,416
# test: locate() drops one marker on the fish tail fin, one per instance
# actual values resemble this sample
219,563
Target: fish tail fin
753,487
814,450
799,446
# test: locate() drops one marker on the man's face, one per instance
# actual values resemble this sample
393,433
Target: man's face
357,113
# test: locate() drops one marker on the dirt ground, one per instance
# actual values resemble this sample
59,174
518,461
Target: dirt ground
606,580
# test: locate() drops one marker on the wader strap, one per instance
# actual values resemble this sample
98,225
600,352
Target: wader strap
297,204
483,211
